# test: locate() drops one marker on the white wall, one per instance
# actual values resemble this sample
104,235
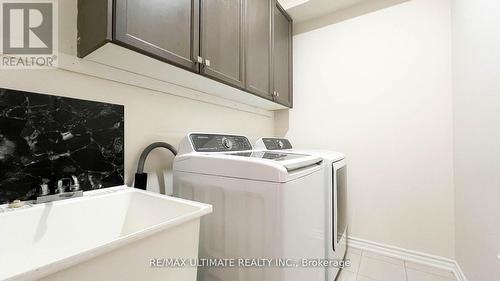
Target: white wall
378,87
476,94
149,116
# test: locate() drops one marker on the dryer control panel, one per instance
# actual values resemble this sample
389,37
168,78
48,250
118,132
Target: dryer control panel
219,143
276,143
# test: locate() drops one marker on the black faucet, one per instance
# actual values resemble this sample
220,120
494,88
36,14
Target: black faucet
141,178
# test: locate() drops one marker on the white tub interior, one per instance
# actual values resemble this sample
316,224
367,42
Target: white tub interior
38,236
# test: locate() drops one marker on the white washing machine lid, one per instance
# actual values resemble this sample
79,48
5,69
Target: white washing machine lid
291,161
249,164
284,145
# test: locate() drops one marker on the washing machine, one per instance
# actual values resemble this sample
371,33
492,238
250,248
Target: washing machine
267,205
335,195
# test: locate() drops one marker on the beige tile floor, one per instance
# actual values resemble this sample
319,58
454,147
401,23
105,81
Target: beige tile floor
369,266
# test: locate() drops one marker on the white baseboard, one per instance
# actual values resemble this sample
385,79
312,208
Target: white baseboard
408,255
459,274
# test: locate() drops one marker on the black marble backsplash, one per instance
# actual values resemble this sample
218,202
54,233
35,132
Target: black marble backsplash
46,138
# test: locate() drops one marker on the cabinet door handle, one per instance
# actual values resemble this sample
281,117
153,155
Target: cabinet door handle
277,94
207,62
199,60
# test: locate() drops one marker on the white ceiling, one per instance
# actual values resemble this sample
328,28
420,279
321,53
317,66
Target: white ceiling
302,10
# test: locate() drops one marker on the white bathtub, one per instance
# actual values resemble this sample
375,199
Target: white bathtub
110,235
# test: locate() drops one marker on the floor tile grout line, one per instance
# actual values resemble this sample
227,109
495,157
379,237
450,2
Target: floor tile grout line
406,271
405,266
360,260
430,273
359,265
400,260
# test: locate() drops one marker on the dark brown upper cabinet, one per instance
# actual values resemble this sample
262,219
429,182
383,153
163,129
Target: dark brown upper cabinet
222,35
166,29
258,47
282,57
246,44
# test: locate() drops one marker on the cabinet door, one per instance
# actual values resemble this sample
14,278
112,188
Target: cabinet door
165,29
222,30
282,57
258,47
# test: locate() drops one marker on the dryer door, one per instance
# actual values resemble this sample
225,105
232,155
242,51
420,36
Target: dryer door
340,172
337,219
337,210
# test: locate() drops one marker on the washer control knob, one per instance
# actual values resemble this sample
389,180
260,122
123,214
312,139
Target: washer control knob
227,143
281,144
